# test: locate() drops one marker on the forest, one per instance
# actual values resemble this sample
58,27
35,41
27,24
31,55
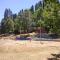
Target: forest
45,14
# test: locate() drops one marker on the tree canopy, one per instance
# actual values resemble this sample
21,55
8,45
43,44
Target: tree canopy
45,13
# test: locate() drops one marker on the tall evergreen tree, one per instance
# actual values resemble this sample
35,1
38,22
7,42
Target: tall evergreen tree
32,9
7,13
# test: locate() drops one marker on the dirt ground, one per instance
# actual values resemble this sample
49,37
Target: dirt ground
26,50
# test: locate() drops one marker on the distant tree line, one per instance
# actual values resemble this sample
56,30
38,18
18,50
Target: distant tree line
45,14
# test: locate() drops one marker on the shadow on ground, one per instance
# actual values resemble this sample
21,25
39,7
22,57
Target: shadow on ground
54,57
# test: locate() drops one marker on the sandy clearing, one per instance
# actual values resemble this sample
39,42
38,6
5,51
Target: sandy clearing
26,50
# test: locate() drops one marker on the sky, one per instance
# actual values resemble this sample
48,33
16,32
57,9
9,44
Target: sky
15,5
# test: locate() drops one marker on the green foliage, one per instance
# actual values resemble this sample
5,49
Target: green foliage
7,25
51,15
